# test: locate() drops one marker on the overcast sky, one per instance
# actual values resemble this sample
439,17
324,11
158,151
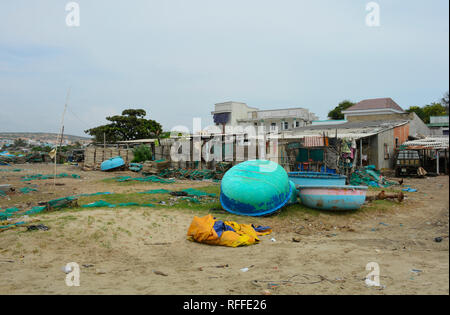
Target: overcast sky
177,58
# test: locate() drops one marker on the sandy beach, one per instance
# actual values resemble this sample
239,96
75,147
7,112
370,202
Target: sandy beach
138,250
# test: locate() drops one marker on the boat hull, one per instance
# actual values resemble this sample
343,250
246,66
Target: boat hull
333,197
316,179
255,188
112,163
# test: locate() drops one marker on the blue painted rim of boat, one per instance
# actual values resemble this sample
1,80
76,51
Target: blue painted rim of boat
299,187
259,214
316,175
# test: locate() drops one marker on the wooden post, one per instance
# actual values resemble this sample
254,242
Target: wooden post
360,151
446,162
355,160
437,162
62,130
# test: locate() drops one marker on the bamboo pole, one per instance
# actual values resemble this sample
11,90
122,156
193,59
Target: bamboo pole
61,132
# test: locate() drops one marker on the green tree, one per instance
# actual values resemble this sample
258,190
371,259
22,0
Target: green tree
19,143
336,113
131,125
434,109
76,145
418,110
445,101
41,149
425,112
165,134
142,153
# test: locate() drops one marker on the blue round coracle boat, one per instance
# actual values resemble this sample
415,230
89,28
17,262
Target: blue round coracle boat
316,179
255,188
112,163
333,197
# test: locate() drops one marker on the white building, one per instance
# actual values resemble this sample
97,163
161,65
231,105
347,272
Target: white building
240,114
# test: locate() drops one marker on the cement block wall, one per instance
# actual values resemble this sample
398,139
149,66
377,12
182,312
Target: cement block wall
94,156
418,127
187,158
385,117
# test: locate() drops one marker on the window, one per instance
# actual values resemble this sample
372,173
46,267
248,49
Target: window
273,127
284,125
396,142
296,124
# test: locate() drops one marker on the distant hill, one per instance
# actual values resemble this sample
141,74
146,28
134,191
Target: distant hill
40,136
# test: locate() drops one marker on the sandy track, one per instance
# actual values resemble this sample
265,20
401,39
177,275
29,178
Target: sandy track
329,259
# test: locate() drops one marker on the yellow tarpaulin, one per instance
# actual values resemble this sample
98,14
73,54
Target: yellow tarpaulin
210,231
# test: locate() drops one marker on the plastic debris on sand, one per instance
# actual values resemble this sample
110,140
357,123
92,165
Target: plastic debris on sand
50,176
152,178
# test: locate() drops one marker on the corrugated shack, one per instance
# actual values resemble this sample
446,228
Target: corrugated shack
342,147
433,152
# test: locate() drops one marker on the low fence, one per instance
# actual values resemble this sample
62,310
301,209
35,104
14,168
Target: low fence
94,156
188,161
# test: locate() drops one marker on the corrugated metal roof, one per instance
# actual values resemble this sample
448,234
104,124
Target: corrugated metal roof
429,143
438,124
330,135
138,141
439,119
351,129
363,124
314,141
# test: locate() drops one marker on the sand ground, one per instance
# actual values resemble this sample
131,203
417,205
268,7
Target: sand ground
121,248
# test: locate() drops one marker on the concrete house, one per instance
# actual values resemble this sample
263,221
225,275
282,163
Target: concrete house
375,140
385,109
240,114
